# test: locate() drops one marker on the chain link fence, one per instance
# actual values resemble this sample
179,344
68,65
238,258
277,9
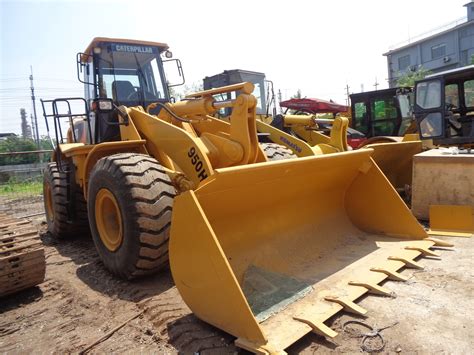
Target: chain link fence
21,182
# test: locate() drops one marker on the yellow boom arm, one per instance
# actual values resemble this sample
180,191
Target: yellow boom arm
172,138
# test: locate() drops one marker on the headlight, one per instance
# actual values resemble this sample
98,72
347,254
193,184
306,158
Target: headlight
105,105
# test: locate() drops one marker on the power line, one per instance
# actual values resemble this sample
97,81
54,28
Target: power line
13,79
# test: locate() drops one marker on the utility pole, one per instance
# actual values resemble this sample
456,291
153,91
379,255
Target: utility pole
376,84
347,95
279,100
34,109
33,126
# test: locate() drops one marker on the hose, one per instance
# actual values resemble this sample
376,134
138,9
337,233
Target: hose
155,104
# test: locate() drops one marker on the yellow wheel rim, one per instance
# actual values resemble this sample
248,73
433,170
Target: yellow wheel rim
48,195
108,219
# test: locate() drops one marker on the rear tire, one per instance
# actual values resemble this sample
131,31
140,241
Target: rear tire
130,202
275,151
63,223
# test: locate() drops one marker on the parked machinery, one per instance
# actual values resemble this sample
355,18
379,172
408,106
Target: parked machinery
307,135
383,115
444,107
266,251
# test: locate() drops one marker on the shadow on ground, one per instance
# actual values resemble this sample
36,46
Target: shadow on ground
20,299
90,270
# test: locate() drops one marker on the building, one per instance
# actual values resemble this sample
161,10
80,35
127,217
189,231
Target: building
449,47
5,136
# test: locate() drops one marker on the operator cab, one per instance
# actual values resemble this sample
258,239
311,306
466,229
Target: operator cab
235,76
122,72
128,72
382,112
444,107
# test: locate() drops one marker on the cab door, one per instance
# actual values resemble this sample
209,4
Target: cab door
430,108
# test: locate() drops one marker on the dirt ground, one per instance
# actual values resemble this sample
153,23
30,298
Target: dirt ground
80,301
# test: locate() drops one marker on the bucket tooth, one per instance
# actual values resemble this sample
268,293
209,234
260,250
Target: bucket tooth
318,327
439,242
348,305
372,288
449,233
408,263
423,250
265,349
392,275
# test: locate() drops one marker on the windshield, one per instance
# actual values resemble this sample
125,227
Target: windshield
428,94
131,75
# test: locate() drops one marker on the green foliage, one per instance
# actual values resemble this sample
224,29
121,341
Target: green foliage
20,188
185,90
18,144
192,88
297,95
173,92
408,78
472,59
45,143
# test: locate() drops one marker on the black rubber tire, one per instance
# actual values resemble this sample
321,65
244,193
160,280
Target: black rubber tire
64,224
275,151
144,194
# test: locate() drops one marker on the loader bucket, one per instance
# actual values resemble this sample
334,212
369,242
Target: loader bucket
396,161
269,251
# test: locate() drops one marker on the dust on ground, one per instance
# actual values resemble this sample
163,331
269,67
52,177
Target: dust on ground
80,302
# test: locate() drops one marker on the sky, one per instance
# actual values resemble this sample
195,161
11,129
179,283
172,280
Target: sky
318,47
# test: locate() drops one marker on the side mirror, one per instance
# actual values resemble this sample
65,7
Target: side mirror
81,62
175,74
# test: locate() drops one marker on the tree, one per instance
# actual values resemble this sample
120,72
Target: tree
408,78
17,144
297,95
25,127
45,143
192,88
185,90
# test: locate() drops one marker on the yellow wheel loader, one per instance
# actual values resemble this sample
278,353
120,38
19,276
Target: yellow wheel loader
302,134
166,180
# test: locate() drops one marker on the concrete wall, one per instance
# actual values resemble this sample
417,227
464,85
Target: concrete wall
21,172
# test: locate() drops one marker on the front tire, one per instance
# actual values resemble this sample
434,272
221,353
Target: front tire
130,200
62,222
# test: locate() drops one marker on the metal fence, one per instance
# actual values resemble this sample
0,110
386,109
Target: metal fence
21,184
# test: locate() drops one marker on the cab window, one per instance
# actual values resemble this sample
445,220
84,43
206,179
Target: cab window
469,93
360,117
451,96
428,94
384,113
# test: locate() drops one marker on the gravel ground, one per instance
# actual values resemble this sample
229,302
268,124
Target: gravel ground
80,302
